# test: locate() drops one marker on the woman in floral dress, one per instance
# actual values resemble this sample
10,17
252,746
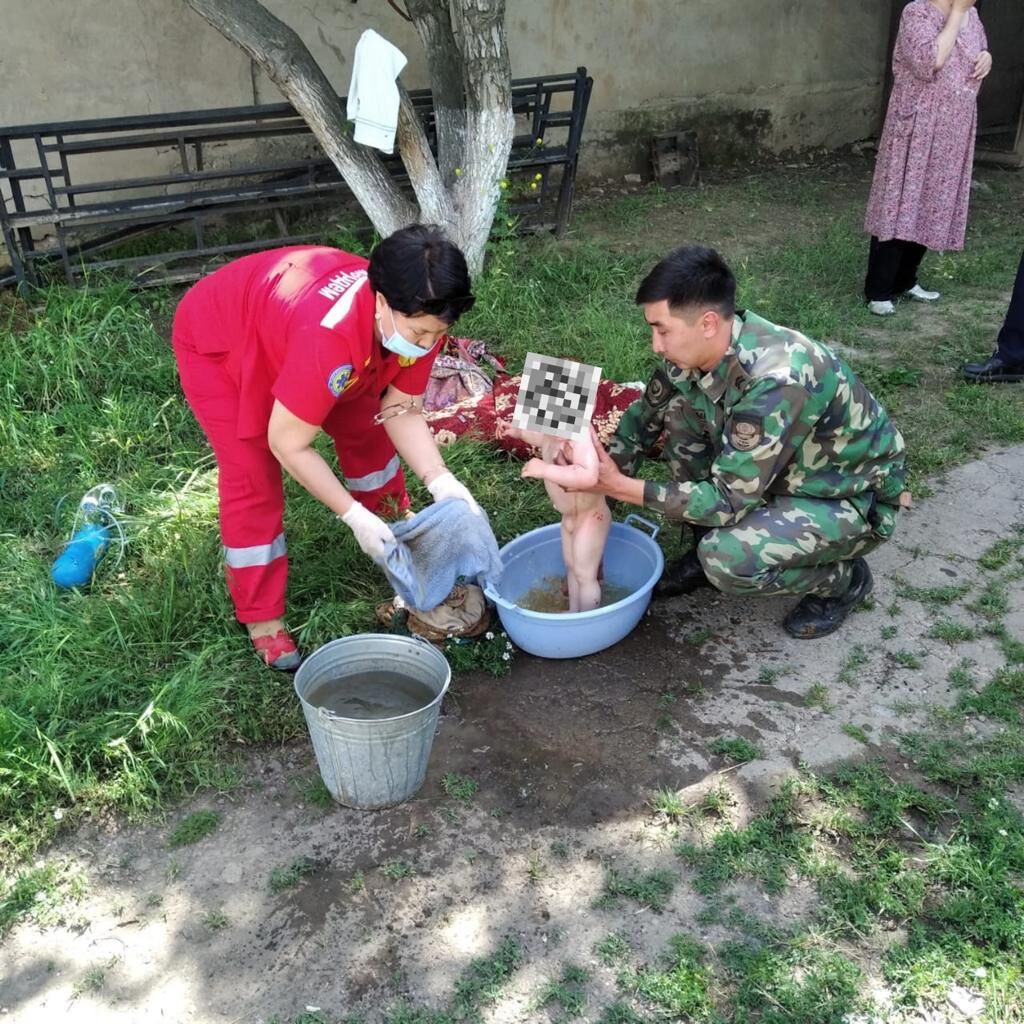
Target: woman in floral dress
922,180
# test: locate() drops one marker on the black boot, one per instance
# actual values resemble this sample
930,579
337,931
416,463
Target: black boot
995,370
685,574
818,616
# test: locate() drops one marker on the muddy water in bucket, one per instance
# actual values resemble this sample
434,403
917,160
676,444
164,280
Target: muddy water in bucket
371,704
371,695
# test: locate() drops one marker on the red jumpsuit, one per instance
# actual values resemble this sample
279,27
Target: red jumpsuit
294,325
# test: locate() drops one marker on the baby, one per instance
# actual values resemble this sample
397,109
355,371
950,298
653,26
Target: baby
585,517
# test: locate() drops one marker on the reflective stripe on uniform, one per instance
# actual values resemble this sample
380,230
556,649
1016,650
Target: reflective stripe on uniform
374,481
257,554
338,311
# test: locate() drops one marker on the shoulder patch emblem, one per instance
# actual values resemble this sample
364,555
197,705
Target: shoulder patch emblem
339,378
746,433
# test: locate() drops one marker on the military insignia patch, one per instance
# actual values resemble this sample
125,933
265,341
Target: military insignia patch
746,433
659,388
339,378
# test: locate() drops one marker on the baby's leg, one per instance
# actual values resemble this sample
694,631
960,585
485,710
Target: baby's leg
572,587
588,542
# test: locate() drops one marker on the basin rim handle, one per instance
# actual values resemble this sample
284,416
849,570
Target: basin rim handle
639,522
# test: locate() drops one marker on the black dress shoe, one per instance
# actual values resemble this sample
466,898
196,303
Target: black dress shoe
818,616
682,576
995,370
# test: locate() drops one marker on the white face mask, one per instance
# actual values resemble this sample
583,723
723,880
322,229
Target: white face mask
397,343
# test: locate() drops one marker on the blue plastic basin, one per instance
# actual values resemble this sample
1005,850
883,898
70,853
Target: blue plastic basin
632,561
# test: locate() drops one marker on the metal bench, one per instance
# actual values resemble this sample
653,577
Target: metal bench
58,211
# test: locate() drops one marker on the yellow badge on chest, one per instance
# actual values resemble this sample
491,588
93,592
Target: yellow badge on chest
406,360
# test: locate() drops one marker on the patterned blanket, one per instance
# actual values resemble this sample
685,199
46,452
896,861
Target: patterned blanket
475,413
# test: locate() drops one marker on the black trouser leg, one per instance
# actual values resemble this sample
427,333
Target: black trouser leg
1011,337
911,254
884,260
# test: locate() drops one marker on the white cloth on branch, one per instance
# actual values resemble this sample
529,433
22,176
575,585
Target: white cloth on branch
372,93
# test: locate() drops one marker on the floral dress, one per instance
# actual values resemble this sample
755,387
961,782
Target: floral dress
922,181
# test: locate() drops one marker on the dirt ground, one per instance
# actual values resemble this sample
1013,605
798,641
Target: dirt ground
567,755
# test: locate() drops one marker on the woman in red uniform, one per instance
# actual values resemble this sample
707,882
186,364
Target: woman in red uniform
277,346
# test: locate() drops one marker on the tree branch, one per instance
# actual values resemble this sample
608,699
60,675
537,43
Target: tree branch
435,203
399,10
285,58
433,23
478,27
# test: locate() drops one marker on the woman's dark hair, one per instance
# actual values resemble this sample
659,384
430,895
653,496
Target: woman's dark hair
690,276
419,271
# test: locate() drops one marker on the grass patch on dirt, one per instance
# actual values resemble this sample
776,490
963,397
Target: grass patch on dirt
647,888
291,875
735,749
194,827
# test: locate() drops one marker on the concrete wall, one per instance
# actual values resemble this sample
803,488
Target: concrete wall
782,74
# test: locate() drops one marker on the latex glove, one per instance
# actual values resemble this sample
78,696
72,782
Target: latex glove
371,532
446,486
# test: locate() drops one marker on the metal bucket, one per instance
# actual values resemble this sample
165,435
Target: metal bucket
370,763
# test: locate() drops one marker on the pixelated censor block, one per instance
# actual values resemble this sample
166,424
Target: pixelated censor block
557,396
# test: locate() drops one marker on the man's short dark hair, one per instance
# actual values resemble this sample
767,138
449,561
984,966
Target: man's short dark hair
692,276
419,271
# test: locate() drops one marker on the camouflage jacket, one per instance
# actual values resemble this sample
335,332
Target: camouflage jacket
780,414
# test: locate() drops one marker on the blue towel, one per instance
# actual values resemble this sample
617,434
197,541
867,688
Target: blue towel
444,543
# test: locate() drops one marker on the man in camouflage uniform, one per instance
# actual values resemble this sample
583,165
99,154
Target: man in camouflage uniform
785,465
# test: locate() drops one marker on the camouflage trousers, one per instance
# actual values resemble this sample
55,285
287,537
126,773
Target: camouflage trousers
795,545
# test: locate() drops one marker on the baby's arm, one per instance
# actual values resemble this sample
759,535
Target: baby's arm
580,474
503,429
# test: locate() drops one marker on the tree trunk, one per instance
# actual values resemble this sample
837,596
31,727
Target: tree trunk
435,203
434,25
290,65
479,30
471,86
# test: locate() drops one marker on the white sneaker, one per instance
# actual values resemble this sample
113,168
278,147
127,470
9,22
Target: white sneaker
882,308
917,292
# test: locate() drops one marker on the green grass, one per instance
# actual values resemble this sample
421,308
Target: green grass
817,697
768,849
485,978
1002,553
935,597
288,877
736,749
459,787
193,827
1000,699
952,632
568,993
850,669
856,732
397,870
314,792
44,894
906,659
678,988
647,888
215,920
612,949
669,803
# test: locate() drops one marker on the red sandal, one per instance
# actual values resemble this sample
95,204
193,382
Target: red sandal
278,651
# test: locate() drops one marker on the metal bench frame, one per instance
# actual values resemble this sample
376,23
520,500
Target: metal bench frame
88,217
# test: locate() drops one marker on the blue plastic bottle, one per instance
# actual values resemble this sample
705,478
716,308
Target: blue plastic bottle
76,564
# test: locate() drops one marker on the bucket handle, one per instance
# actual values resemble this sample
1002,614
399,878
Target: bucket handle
638,521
